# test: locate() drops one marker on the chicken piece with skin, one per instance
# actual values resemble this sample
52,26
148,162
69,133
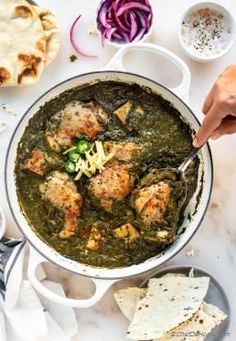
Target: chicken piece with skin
112,185
74,120
36,163
151,202
116,181
62,193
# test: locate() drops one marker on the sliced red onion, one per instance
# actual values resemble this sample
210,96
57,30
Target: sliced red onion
73,41
110,21
104,36
144,22
115,5
110,33
120,25
134,26
118,36
132,5
149,17
140,34
126,37
124,21
127,19
102,15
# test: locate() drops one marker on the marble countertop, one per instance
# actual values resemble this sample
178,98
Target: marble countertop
214,244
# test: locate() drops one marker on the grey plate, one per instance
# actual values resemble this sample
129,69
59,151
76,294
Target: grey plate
215,295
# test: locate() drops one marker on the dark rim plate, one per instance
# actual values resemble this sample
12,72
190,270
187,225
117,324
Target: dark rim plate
215,295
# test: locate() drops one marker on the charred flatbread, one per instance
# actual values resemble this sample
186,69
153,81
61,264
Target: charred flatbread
30,41
23,44
51,31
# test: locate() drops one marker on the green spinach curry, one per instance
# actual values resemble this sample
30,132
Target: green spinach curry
88,173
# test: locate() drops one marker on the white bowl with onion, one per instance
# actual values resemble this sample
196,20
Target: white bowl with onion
122,23
207,31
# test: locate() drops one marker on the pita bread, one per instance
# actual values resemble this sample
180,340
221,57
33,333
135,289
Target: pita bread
198,326
23,44
51,31
169,302
127,300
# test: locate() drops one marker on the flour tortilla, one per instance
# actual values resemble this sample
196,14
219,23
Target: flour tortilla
198,326
51,30
23,44
169,302
127,300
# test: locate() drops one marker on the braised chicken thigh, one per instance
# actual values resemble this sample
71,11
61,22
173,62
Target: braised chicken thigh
74,120
63,194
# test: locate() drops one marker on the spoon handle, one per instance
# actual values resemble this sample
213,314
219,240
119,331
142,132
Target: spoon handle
182,168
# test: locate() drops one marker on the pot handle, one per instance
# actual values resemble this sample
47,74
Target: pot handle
101,286
182,90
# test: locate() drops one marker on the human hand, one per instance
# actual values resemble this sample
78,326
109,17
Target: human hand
219,108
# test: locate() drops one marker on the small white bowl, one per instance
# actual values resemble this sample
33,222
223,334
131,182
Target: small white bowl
2,223
230,20
119,45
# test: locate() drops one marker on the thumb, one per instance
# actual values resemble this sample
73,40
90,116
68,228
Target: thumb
228,126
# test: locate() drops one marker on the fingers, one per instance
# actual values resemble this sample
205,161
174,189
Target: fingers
228,126
209,101
211,122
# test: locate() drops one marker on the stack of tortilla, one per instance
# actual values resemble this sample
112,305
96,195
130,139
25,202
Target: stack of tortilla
171,308
30,41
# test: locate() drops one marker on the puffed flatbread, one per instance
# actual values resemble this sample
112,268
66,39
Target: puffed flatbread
22,44
169,302
51,31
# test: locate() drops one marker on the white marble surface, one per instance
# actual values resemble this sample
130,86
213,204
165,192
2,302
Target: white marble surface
215,242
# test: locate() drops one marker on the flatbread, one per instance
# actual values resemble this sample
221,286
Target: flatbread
52,34
23,44
197,328
169,302
127,300
170,274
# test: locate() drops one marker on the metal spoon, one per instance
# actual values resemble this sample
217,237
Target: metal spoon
184,165
180,171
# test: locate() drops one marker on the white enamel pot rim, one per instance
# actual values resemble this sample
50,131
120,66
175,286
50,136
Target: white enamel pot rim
103,278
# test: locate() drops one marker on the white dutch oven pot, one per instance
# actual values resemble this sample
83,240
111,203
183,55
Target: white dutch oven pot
103,278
